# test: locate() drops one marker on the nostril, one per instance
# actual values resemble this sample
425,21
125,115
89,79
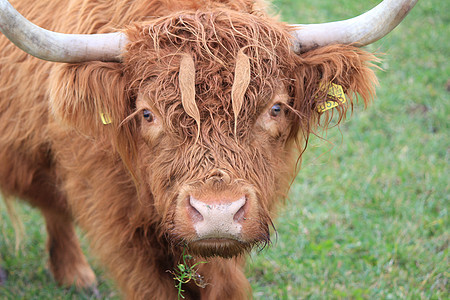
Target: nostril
195,215
240,214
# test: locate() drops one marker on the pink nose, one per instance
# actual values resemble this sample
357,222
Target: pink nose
217,220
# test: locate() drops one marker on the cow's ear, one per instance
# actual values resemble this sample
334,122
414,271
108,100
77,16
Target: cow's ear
90,97
333,66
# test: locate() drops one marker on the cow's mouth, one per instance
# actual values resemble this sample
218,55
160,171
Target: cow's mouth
221,247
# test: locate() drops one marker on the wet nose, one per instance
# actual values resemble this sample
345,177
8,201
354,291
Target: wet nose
217,219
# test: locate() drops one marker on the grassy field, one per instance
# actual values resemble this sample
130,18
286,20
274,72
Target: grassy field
368,213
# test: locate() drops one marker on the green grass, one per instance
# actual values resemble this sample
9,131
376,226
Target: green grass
368,215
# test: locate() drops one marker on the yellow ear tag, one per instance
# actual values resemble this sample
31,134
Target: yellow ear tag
105,118
336,93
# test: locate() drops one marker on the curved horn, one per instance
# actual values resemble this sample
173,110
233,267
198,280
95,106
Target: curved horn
361,30
58,47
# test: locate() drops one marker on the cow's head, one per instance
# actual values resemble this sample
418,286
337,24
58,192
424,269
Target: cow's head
215,108
210,111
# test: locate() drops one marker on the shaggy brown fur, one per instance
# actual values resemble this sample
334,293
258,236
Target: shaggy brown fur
122,183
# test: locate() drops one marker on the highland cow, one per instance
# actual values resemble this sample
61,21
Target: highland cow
176,128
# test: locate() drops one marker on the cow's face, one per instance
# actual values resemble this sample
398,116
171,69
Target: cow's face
213,164
211,107
214,189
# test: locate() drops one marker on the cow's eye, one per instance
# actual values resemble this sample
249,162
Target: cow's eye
148,115
275,111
